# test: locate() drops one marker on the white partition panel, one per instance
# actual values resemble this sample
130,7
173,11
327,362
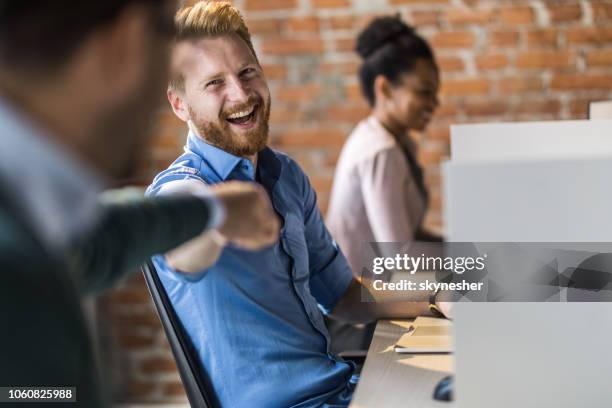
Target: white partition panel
600,110
531,140
545,201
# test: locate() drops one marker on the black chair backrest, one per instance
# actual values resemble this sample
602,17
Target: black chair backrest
196,381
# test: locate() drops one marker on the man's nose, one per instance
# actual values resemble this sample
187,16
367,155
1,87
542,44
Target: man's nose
237,91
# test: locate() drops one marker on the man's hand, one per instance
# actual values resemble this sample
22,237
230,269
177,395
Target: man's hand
250,220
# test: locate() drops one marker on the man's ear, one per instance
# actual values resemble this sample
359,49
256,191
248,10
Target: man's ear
178,103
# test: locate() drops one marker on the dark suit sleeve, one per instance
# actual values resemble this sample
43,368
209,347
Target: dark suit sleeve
129,234
44,340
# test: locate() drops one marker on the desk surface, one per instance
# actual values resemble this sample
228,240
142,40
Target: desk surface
395,380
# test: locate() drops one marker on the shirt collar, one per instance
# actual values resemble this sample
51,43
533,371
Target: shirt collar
58,194
221,162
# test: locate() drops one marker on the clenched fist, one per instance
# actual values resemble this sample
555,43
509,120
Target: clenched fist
250,220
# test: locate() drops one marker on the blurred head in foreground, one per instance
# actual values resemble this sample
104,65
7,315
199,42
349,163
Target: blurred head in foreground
399,76
89,72
217,85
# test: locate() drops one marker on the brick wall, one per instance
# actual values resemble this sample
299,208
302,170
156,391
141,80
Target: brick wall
500,61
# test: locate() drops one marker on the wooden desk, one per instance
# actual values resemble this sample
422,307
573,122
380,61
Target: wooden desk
396,380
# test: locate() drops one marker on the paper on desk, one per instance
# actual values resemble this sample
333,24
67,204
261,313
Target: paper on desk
431,335
431,321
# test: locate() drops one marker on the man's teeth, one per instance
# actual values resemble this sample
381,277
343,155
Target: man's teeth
238,115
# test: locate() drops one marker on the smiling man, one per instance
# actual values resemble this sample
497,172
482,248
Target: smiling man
254,317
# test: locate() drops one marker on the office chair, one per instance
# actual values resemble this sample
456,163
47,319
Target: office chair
194,377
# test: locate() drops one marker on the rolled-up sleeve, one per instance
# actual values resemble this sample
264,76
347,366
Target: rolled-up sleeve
330,274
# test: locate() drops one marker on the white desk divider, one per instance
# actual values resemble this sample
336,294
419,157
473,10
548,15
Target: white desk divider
494,142
600,110
567,200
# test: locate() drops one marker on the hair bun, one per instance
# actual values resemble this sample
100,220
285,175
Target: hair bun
381,31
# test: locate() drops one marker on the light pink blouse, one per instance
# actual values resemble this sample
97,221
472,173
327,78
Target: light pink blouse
374,197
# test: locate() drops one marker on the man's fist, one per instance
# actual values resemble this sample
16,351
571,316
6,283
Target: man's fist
250,220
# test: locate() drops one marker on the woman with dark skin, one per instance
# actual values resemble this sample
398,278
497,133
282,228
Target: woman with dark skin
379,193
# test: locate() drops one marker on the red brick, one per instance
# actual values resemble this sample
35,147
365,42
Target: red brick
422,18
321,184
542,37
432,156
345,45
552,107
147,320
353,93
517,15
275,71
280,46
346,68
130,295
602,10
589,35
545,59
158,364
301,93
140,389
561,13
599,58
167,118
447,109
503,38
348,113
364,19
491,61
581,82
135,341
438,133
173,389
280,115
465,87
465,16
351,114
137,280
453,39
166,138
341,22
450,64
330,3
265,26
485,108
331,157
579,108
309,24
413,2
520,85
311,138
255,5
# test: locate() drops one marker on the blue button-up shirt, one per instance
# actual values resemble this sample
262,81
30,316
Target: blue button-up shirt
255,318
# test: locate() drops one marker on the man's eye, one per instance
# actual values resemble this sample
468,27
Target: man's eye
248,72
214,82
